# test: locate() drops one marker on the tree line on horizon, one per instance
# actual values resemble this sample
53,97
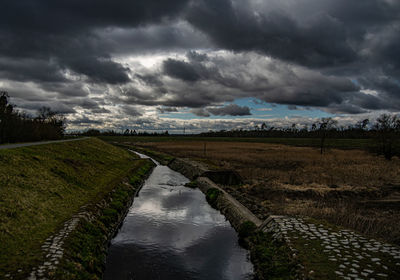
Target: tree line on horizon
17,126
361,129
385,131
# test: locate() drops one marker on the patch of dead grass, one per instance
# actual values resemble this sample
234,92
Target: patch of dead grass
297,166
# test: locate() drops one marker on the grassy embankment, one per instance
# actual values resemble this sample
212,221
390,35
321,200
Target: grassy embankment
86,248
43,186
282,179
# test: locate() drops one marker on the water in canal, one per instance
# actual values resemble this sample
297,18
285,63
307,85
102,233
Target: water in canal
171,232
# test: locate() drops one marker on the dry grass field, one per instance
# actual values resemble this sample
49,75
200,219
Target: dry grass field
351,188
279,165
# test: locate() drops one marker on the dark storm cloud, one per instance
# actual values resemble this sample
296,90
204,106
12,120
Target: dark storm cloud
346,108
98,69
386,88
180,70
56,106
165,110
150,79
322,42
197,57
312,33
386,48
81,53
230,110
174,36
64,31
73,15
131,110
31,70
201,112
85,121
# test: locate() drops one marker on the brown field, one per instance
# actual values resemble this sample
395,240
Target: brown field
350,188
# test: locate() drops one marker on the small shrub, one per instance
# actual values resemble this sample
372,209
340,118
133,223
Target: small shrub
192,184
117,205
212,196
246,229
109,216
271,257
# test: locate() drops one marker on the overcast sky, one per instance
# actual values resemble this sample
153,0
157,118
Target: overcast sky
201,64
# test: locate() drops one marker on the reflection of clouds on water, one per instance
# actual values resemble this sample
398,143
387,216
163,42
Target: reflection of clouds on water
151,208
168,219
163,175
203,254
163,265
238,264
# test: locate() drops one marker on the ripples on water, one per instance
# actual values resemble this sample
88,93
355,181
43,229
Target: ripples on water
172,233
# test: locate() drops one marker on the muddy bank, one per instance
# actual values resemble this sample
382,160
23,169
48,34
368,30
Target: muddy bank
79,249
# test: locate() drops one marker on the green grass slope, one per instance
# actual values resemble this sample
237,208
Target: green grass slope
43,186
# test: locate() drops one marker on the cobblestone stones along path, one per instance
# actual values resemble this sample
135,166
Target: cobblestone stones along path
332,253
53,247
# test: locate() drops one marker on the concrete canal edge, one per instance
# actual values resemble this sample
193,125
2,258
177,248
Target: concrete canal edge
78,250
271,253
233,210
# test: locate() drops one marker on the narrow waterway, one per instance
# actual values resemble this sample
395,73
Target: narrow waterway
171,232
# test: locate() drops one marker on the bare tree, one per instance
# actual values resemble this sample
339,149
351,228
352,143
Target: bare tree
362,125
45,114
263,126
19,127
388,130
324,126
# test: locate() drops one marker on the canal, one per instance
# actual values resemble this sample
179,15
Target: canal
171,232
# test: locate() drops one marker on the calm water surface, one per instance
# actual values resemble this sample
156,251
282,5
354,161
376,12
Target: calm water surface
172,233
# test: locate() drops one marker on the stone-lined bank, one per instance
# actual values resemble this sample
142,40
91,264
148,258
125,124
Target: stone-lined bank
78,250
